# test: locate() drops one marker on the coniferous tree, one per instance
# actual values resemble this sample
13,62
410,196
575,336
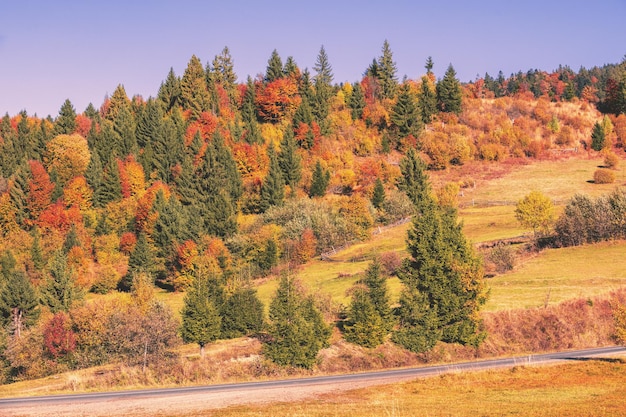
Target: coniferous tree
405,117
289,160
442,280
170,225
59,292
167,149
194,92
149,123
36,251
111,187
378,195
291,68
19,306
94,177
224,73
323,90
18,191
65,123
320,181
242,313
449,94
598,137
201,322
169,94
370,318
297,331
273,187
141,261
386,73
274,69
71,240
124,126
357,101
414,181
428,94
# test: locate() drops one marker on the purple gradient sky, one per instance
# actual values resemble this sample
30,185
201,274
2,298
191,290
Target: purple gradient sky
81,50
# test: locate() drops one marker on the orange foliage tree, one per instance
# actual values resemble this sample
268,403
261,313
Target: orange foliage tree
278,100
40,190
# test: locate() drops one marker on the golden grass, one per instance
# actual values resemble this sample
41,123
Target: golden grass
555,275
591,388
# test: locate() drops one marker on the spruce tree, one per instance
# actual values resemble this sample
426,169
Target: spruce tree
19,306
142,260
414,181
427,100
194,92
59,291
169,94
378,195
405,117
242,314
369,319
289,160
323,90
386,73
149,123
124,126
291,68
274,69
111,187
598,137
71,240
442,279
94,177
357,101
273,187
296,331
65,124
449,94
36,251
224,73
201,322
320,181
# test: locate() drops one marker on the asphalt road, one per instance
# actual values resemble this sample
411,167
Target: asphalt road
15,404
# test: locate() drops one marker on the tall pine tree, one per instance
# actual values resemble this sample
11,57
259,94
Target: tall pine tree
273,187
449,94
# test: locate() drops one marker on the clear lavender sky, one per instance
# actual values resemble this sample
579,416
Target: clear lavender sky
51,50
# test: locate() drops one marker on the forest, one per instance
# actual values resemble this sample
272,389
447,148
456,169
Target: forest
213,184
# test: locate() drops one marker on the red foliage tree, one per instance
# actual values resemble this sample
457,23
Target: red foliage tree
40,190
59,339
278,100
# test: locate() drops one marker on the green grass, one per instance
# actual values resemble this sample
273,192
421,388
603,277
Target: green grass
555,275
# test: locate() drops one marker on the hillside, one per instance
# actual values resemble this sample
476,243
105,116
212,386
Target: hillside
217,186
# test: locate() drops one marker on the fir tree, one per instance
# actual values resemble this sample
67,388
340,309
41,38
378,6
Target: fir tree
442,280
242,314
427,100
141,261
71,240
149,123
273,187
59,292
289,160
274,69
36,251
224,72
291,68
118,100
378,195
405,116
201,322
65,123
94,177
598,137
386,73
194,92
357,101
370,318
320,181
170,92
414,181
19,306
297,331
124,126
111,187
449,94
170,227
248,106
323,90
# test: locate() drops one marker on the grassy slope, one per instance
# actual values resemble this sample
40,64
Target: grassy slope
564,273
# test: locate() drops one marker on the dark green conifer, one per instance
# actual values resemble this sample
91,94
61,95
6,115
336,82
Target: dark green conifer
274,69
449,94
357,101
169,94
598,137
386,72
142,260
273,187
71,240
194,89
65,124
111,186
242,314
59,291
289,160
320,181
378,194
405,117
36,251
19,305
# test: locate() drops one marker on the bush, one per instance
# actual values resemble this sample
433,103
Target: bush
611,160
603,176
503,257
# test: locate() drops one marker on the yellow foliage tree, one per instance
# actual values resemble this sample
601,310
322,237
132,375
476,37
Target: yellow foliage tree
67,157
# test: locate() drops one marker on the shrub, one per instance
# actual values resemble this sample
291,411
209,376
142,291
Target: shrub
611,160
503,257
603,176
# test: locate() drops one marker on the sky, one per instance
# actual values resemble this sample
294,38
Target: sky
82,50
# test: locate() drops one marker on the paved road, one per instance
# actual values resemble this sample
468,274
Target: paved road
23,404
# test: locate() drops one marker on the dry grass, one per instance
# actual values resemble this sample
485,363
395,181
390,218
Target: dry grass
592,388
